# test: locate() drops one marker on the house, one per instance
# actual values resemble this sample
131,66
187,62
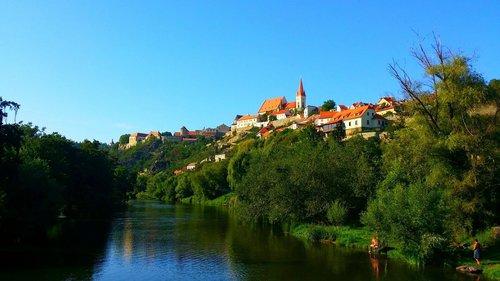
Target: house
325,117
280,115
246,121
341,107
263,133
330,126
191,166
220,157
386,105
357,105
361,119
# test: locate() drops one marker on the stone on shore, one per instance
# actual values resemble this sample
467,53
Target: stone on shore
469,269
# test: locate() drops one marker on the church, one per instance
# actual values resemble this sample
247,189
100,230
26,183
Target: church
280,103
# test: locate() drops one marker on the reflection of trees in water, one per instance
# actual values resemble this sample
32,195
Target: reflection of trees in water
74,255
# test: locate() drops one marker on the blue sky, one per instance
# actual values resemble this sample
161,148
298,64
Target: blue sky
100,69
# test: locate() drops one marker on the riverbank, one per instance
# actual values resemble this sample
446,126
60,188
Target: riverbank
360,237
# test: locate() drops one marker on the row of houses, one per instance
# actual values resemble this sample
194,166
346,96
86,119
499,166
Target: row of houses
183,135
276,112
191,166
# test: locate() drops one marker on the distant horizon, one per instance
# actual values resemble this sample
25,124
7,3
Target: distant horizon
99,70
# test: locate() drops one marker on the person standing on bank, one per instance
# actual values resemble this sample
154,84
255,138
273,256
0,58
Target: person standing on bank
477,251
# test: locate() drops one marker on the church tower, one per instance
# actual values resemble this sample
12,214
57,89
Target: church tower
300,97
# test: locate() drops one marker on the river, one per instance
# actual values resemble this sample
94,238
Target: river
156,241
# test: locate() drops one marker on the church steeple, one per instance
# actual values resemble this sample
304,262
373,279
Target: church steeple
300,96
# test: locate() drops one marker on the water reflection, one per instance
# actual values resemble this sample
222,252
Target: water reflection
154,241
74,255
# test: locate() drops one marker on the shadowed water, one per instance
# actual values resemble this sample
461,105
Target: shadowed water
155,241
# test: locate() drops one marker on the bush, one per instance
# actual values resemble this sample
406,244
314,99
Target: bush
318,233
337,213
433,248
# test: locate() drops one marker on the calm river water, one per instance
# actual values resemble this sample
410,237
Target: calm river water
155,241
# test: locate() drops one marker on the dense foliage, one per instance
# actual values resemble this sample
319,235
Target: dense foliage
44,177
441,167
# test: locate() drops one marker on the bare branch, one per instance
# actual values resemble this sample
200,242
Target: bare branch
409,87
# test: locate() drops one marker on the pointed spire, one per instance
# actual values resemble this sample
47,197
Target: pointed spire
300,91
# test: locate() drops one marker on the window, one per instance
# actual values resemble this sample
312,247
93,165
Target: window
379,122
356,122
349,123
367,122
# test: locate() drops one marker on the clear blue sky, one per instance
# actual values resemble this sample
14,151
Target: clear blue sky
100,69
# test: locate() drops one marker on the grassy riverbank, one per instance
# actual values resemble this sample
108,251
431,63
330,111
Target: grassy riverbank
490,261
221,201
360,237
341,235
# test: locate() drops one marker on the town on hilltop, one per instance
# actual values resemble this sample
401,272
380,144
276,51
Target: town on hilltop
276,114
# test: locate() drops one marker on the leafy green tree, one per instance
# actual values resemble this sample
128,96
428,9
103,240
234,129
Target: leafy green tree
455,119
328,105
211,181
409,214
124,139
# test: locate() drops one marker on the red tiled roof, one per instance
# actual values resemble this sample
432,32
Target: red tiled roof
263,130
358,104
326,114
291,105
357,112
272,104
177,134
342,107
189,139
279,112
247,117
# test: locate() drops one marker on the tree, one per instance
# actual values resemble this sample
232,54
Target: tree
124,139
446,147
4,105
328,105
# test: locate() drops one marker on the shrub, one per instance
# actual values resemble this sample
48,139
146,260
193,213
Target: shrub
318,233
337,213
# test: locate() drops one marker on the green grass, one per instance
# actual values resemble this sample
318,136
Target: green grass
224,200
342,235
490,262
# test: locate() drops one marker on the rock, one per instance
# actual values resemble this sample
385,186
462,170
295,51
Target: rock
469,269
